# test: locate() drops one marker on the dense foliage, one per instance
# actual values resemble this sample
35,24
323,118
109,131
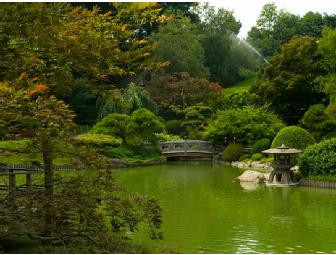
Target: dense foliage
140,127
289,83
320,122
261,145
319,159
294,137
178,43
233,152
134,154
244,125
180,90
126,100
65,211
275,27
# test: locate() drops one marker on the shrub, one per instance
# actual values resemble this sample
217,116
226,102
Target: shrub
175,127
261,145
114,124
257,157
233,152
294,137
143,126
133,153
244,157
98,140
167,137
319,159
244,125
320,121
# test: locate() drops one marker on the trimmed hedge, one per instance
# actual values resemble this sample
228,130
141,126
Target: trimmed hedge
233,152
260,145
244,157
319,159
98,140
293,136
257,157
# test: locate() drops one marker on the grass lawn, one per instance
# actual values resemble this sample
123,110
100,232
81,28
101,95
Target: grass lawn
10,153
239,87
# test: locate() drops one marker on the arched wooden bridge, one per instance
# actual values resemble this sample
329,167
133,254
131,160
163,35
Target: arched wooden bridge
186,148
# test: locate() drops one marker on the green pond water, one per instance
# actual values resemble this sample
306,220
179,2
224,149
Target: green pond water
207,210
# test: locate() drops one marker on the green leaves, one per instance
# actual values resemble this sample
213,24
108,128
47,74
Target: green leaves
140,127
244,125
289,83
319,159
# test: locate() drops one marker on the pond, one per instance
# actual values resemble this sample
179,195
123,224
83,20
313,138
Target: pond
207,210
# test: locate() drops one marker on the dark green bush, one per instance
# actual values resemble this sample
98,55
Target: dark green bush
244,157
134,153
260,145
294,137
319,159
244,125
257,157
175,127
233,152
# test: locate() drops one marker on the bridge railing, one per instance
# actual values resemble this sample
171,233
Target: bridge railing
186,146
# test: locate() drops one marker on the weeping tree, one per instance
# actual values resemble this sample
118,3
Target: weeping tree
127,101
73,213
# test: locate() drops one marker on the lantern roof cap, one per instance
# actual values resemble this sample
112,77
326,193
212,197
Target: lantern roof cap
283,149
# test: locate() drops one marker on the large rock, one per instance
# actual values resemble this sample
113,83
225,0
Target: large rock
252,176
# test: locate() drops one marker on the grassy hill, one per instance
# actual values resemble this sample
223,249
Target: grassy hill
242,86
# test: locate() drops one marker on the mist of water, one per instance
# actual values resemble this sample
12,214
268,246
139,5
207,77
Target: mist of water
234,37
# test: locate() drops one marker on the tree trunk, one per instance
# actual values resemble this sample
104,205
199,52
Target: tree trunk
48,167
48,183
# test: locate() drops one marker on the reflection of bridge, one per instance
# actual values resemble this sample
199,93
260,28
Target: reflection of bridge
187,148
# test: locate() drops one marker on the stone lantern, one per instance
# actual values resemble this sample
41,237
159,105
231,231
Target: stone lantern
282,164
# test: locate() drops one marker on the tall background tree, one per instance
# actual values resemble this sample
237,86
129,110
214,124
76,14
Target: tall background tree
289,83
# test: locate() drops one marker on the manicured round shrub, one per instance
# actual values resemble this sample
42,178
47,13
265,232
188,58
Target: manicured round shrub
319,159
294,137
257,157
244,157
233,152
260,145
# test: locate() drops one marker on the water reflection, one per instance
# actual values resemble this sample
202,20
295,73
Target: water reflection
205,210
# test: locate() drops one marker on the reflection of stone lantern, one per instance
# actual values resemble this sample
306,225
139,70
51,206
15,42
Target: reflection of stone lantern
282,163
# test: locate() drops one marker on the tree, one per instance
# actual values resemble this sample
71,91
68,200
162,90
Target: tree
243,125
143,127
195,119
76,212
288,84
126,101
68,47
179,91
178,44
274,27
318,122
114,124
327,47
219,28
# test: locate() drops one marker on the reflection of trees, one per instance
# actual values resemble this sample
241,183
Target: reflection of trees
205,207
